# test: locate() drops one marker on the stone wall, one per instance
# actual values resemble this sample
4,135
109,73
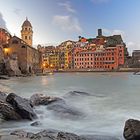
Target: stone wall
28,57
12,68
1,54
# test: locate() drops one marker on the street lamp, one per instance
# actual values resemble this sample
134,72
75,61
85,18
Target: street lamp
44,65
6,50
51,65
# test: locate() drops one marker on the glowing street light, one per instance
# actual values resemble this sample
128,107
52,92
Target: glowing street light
51,65
6,50
44,64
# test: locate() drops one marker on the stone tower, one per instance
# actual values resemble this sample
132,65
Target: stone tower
27,32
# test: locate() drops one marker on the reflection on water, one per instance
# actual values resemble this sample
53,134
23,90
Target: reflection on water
115,98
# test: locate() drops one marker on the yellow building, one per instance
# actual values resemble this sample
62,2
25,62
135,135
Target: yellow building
54,59
27,32
66,58
66,48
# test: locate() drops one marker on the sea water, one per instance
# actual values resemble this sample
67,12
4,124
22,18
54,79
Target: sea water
112,99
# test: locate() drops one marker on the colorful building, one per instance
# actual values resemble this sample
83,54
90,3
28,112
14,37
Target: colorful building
100,53
66,57
111,58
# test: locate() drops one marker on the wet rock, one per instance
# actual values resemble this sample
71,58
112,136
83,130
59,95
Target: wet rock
98,137
58,135
43,135
132,130
61,109
22,106
52,133
9,137
3,96
22,134
41,99
37,123
46,134
77,93
68,136
4,78
8,112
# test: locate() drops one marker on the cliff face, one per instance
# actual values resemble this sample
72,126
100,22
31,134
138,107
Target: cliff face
1,53
1,60
12,67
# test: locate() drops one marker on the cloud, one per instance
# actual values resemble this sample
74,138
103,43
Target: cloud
17,11
67,6
132,46
99,1
2,22
113,32
67,23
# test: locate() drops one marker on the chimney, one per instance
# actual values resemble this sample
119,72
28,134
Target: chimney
99,32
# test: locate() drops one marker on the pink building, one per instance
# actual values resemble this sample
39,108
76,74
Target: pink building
108,58
84,59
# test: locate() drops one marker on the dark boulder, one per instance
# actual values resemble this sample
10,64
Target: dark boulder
3,96
9,137
58,135
132,130
41,99
46,134
37,123
8,112
77,93
99,137
4,78
22,134
68,136
22,106
43,135
62,109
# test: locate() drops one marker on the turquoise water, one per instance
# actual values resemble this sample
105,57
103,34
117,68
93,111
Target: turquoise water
115,98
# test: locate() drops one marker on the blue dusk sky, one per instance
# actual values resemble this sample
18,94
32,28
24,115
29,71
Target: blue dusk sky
55,21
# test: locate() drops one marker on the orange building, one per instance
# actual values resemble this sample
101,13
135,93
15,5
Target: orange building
101,53
109,59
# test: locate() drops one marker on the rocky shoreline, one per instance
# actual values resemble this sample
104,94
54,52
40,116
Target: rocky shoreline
14,107
52,135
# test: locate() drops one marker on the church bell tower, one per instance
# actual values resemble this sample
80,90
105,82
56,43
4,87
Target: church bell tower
27,32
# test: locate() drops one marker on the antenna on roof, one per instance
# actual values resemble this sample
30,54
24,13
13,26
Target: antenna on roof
26,18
